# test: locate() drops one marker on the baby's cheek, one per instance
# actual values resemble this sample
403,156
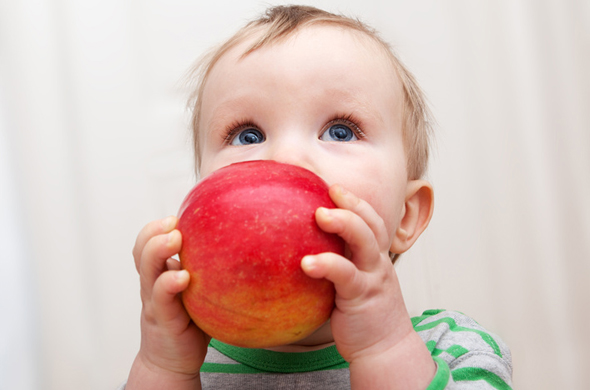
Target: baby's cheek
388,203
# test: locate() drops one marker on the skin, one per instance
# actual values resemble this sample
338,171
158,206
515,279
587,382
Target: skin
292,92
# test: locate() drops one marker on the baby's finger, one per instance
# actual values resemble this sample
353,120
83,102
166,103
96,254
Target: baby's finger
355,232
173,265
345,199
155,256
342,272
154,228
167,306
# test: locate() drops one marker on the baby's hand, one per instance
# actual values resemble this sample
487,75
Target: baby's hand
370,324
172,347
370,312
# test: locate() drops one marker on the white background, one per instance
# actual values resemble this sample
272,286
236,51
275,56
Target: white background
94,144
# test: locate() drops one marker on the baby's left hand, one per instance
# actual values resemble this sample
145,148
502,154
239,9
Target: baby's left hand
370,317
370,324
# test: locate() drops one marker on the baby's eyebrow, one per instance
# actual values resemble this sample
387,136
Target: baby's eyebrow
346,102
360,108
226,113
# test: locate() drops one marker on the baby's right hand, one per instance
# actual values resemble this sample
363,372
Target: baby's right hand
173,348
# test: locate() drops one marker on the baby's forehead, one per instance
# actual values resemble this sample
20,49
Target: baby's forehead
331,69
320,57
375,50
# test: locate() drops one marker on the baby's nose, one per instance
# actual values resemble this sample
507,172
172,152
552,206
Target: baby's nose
294,152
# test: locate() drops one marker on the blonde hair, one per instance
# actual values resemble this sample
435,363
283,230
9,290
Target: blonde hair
280,22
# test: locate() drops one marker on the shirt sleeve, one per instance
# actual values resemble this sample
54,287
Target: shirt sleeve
467,356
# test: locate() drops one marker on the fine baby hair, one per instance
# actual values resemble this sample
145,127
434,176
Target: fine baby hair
281,22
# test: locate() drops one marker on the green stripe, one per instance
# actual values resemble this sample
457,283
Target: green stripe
476,374
229,368
431,346
233,368
425,315
441,378
456,328
455,351
270,361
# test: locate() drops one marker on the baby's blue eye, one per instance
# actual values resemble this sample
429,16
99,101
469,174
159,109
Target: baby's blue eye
247,137
339,133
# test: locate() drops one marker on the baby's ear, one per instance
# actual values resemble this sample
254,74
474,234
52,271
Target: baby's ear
418,208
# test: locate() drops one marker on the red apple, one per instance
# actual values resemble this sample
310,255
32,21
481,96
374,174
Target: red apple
245,229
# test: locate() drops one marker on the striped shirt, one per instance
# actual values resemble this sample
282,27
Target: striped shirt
466,355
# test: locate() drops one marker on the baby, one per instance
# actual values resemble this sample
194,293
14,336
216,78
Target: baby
324,92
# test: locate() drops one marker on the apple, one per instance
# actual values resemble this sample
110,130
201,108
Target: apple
245,229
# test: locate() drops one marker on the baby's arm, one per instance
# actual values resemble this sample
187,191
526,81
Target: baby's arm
172,347
370,324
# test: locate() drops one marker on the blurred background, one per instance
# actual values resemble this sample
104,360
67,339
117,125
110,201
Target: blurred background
94,144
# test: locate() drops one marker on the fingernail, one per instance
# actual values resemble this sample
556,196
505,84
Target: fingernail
168,223
170,236
308,262
182,276
348,195
326,212
342,190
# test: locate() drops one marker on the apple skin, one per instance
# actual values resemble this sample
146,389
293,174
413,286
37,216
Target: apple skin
245,229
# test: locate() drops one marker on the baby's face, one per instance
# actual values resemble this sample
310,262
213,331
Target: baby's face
326,99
